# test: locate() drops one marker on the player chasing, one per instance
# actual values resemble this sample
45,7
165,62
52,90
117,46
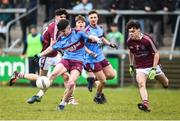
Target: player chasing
49,38
80,25
143,52
98,66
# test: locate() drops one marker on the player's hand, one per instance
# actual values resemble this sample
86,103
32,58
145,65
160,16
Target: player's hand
99,41
36,57
132,70
113,45
152,74
93,54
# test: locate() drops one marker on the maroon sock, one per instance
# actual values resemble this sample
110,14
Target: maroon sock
146,103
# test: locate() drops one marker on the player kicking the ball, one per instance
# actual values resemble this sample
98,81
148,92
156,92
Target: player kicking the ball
72,42
143,52
49,38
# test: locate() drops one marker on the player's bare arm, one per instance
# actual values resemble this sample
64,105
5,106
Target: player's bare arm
156,59
47,51
131,58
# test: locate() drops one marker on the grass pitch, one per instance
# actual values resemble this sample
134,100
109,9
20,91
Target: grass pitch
122,105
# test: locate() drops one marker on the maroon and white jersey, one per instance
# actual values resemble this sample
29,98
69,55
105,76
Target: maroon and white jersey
48,35
143,51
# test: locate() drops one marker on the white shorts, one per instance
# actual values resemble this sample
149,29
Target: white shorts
46,62
147,70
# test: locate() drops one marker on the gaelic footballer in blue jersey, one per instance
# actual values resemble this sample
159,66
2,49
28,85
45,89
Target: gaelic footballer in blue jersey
99,65
72,42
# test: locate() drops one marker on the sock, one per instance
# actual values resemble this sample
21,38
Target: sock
98,94
146,103
21,75
41,93
90,79
62,102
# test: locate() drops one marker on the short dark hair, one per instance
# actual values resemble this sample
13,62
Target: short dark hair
62,24
93,12
61,11
133,24
33,26
80,17
114,24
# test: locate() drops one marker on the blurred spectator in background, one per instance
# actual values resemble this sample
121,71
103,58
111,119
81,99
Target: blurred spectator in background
113,6
115,37
169,6
177,44
155,22
101,4
84,5
5,18
28,20
137,5
32,47
52,5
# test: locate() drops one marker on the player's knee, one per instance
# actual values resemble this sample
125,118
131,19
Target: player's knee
53,76
102,82
65,77
71,85
166,85
101,79
110,76
141,85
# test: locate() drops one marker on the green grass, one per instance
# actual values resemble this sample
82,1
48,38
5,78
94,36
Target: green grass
122,105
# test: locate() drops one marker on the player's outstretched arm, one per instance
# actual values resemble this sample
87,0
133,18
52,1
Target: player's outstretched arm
106,42
131,66
94,39
156,59
90,52
47,51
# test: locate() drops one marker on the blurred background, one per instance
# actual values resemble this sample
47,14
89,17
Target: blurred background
159,18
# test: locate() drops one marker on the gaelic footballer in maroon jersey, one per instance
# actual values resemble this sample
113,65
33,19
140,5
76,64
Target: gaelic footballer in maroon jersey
145,48
144,54
48,35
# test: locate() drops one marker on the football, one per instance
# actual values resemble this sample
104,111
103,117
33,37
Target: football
43,82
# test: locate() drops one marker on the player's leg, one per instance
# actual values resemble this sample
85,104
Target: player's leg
109,72
74,75
141,78
99,91
41,92
18,75
90,79
163,80
44,64
58,70
65,76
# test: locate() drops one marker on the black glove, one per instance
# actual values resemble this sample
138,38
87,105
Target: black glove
36,58
113,45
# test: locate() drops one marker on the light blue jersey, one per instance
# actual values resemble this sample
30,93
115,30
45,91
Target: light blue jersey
73,45
93,46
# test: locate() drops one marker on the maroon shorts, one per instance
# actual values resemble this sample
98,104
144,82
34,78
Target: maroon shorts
95,67
72,65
